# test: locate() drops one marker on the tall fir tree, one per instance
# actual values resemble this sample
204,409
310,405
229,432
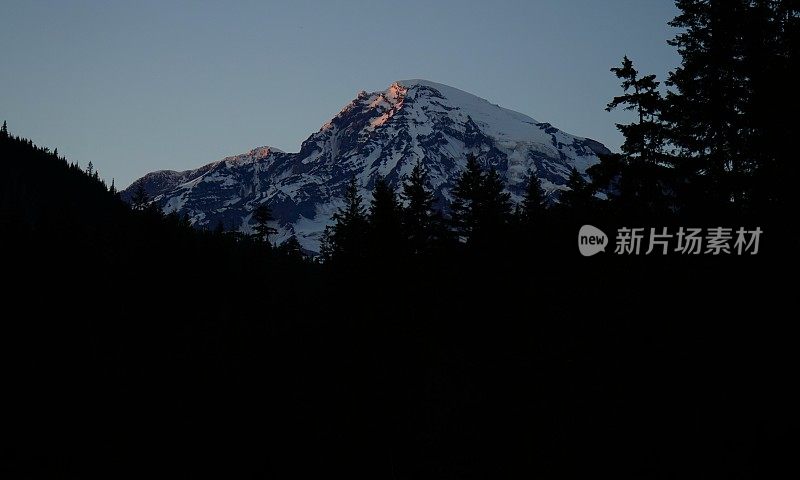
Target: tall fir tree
467,191
644,139
345,240
384,221
495,207
481,207
708,97
262,228
328,249
534,202
641,175
292,249
771,47
140,200
579,195
418,217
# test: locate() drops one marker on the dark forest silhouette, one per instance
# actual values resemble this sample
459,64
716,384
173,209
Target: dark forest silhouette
468,343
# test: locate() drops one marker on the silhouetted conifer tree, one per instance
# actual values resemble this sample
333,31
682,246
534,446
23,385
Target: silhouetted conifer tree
418,216
328,249
481,208
291,248
495,205
533,203
346,238
771,50
467,196
384,221
643,138
580,193
140,199
710,93
637,179
262,218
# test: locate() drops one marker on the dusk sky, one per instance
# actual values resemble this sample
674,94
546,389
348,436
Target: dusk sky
140,86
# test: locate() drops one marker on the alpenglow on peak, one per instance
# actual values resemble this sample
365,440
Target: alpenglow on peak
378,134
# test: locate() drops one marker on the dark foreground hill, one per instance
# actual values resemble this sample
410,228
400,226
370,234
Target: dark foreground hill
133,344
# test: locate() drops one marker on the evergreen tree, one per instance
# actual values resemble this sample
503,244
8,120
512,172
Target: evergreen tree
4,130
644,138
262,216
345,239
140,199
770,58
90,169
112,189
328,249
580,193
384,220
481,208
495,206
418,212
533,202
353,213
465,209
637,179
291,248
710,93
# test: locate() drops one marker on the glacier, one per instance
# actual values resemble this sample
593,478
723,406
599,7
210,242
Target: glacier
377,134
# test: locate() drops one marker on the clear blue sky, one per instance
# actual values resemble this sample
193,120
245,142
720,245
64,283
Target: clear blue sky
148,85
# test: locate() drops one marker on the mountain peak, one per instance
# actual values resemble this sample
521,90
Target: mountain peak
442,88
253,155
378,134
514,125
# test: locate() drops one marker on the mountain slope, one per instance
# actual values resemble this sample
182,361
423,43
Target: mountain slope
377,134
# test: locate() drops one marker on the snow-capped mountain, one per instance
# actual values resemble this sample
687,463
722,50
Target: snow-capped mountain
377,134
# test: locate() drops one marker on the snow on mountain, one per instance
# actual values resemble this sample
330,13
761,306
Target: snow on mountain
377,134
